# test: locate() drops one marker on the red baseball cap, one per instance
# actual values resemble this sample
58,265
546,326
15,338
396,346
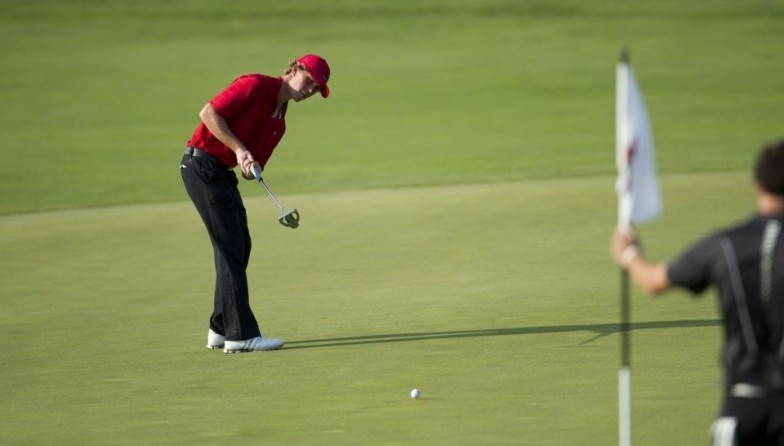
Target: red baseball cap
318,68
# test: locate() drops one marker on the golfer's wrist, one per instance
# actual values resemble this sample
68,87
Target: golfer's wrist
629,254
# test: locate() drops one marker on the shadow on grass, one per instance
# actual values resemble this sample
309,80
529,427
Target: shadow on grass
600,330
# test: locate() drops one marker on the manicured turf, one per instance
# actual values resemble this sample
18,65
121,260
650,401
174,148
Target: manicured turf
457,198
496,300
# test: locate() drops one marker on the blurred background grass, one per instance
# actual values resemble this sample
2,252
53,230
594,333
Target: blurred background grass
100,96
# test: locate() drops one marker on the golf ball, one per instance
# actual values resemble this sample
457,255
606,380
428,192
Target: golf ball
415,394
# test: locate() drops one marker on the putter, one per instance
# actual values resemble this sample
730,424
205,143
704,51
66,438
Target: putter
288,219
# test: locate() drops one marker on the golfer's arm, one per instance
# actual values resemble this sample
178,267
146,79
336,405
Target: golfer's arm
220,128
650,277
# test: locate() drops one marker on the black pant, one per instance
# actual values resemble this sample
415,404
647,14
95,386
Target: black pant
213,189
760,420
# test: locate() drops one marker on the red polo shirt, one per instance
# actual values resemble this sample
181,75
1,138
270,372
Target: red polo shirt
247,105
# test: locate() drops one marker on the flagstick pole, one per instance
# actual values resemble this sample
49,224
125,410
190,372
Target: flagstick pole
624,372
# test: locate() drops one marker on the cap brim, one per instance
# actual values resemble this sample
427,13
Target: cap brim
324,91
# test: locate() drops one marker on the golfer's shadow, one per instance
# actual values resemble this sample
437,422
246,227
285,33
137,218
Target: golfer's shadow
600,330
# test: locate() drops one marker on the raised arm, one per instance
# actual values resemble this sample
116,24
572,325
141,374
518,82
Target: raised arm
651,277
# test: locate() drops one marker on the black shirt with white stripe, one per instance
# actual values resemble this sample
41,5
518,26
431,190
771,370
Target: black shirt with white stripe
746,263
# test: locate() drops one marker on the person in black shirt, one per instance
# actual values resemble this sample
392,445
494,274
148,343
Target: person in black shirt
746,264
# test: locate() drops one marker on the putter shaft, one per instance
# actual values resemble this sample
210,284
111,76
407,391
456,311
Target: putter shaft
289,219
282,209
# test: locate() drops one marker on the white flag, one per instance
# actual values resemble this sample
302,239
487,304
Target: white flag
639,199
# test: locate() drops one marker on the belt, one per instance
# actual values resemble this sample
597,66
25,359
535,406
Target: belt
198,153
744,390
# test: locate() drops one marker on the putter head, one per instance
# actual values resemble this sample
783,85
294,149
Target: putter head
290,219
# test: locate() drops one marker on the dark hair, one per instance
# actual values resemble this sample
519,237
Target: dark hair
769,171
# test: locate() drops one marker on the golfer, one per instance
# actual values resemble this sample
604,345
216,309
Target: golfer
240,127
746,264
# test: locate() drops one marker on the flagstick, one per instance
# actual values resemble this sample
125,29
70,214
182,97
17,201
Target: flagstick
624,373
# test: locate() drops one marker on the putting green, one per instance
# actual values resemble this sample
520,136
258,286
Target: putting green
498,301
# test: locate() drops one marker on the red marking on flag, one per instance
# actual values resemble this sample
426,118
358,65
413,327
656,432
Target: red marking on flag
630,152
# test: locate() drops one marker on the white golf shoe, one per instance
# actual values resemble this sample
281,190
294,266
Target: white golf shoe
257,344
214,340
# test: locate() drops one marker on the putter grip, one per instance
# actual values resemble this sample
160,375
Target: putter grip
256,172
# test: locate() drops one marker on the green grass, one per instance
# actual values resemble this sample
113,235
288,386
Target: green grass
100,97
457,199
496,300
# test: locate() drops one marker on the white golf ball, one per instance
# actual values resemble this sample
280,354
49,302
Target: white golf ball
415,394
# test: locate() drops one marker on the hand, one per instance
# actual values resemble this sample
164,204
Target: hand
252,175
624,246
245,161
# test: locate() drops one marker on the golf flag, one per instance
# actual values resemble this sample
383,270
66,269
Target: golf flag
639,199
